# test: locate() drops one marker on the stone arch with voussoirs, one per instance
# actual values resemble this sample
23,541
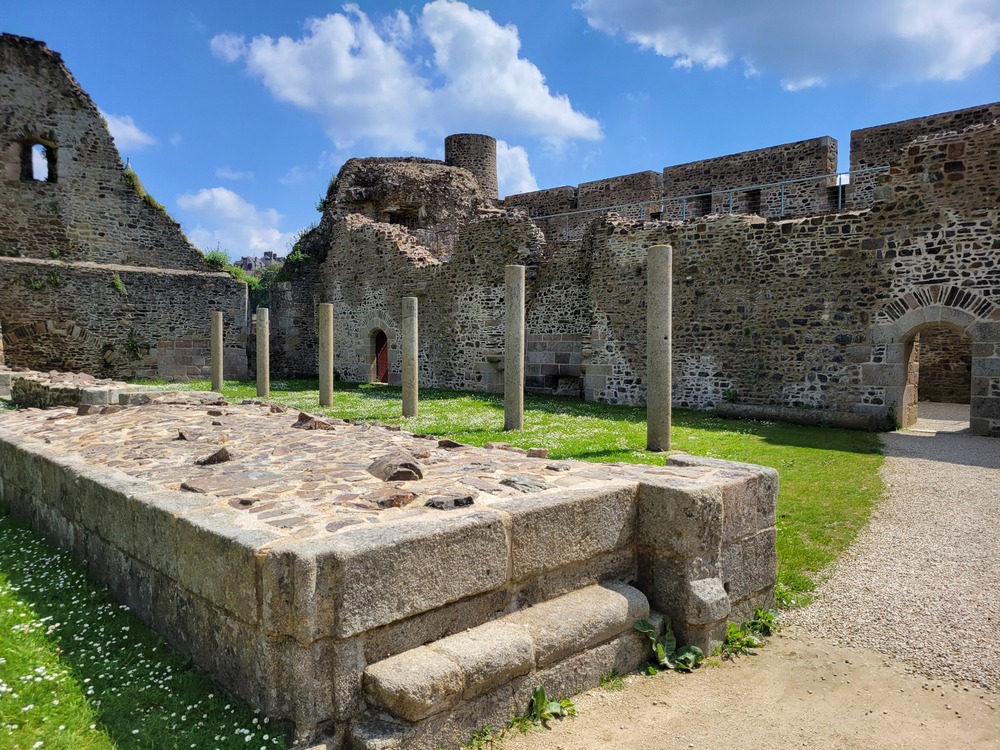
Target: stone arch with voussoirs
893,368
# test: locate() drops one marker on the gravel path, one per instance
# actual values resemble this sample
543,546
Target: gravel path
922,582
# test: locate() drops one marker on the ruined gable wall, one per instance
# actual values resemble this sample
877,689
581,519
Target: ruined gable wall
63,241
90,213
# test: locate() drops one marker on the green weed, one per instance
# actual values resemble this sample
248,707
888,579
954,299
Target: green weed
666,654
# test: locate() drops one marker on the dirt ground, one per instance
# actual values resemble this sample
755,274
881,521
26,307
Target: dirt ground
796,692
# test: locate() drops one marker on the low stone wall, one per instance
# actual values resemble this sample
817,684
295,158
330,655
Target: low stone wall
118,321
297,608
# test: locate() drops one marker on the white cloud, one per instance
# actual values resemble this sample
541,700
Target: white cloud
127,135
221,218
230,47
513,170
294,176
228,173
886,40
400,86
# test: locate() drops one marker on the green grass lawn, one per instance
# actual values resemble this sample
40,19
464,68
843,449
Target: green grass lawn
77,671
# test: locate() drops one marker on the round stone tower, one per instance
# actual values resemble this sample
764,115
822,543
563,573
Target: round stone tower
478,154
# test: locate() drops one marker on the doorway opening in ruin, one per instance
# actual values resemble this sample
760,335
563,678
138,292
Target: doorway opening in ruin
938,375
380,349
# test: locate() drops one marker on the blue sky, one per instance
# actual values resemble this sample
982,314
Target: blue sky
236,114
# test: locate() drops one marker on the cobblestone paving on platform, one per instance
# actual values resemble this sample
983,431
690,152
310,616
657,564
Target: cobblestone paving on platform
306,475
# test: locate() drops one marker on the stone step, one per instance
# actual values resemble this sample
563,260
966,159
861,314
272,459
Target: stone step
447,689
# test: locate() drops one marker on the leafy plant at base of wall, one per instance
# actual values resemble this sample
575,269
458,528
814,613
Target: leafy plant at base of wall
738,642
730,396
133,346
612,681
742,639
764,622
542,710
54,253
118,285
666,655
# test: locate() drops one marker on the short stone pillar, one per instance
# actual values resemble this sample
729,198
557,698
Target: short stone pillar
659,325
411,380
263,352
325,354
513,373
215,346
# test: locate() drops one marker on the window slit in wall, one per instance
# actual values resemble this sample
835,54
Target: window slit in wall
38,162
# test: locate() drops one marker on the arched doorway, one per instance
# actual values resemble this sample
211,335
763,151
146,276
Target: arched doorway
891,378
381,359
939,374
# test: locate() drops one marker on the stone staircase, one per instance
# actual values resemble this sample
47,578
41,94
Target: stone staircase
438,694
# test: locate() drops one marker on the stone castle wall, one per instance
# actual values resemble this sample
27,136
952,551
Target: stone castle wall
698,188
89,212
882,144
816,312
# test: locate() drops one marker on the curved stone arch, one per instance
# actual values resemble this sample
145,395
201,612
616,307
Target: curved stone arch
369,327
939,299
40,329
891,366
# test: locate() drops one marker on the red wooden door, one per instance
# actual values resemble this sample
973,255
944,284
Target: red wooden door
381,357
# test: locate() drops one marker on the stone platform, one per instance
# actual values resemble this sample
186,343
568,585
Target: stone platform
379,589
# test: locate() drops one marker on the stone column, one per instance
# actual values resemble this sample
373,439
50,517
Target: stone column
513,373
216,350
325,354
263,352
411,380
659,295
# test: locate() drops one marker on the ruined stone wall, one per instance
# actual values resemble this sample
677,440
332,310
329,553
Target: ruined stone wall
790,161
118,321
88,210
63,239
812,313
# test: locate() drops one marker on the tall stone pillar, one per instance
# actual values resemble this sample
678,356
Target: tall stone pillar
411,380
263,352
215,345
325,354
513,373
659,325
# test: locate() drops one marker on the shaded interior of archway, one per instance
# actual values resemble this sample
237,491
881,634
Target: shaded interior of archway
381,342
941,373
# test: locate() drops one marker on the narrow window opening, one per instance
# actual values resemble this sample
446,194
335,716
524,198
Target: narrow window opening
704,204
753,202
38,162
